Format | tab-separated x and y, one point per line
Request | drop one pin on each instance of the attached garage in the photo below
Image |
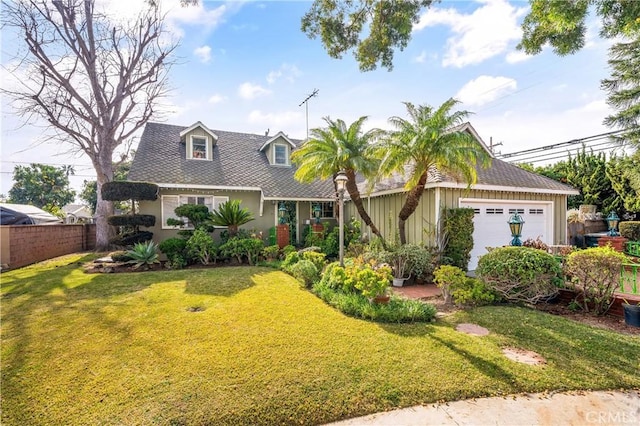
500	191
491	228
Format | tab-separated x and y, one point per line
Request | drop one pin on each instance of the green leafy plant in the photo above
630	230
520	274
595	275
290	260
200	246
370	282
449	278
408	260
197	216
231	215
318	259
176	251
241	248
287	249
305	271
271	252
474	292
143	254
458	236
120	256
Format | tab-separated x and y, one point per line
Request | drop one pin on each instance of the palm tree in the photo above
338	147
231	215
427	140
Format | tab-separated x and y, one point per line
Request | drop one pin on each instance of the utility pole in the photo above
306	107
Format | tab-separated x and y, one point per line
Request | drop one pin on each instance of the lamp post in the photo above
515	225
316	213
281	211
612	222
341	182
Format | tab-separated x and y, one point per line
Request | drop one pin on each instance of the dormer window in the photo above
280	154
199	148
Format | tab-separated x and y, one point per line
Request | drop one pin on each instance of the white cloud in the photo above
196	14
217	98
286	72
203	53
250	91
478	36
517	56
485	89
280	120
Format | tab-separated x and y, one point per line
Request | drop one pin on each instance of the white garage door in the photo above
491	228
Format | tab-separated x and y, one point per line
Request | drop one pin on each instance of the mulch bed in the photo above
608	322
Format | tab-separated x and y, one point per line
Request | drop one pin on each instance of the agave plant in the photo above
231	215
143	254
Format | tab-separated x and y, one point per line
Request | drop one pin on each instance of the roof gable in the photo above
198	124
277	136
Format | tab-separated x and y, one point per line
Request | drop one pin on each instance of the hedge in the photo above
630	230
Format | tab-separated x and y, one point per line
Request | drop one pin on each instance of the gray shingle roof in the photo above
237	162
500	173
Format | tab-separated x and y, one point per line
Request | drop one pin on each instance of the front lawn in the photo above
248	345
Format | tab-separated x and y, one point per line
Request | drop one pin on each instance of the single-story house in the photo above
198	165
500	191
77	213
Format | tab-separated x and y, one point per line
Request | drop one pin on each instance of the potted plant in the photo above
408	260
631	313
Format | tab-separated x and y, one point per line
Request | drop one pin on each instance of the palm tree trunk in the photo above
410	206
352	188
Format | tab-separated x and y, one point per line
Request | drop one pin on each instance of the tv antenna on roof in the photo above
306	107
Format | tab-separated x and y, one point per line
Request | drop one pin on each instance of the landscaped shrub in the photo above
520	274
306	272
473	292
335	276
249	248
271	252
408	260
630	230
448	278
536	244
120	256
458	230
354	304
370	282
143	254
231	215
287	249
200	246
318	259
131	238
176	251
595	274
197	216
290	260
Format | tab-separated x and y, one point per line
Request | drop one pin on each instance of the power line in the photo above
543	155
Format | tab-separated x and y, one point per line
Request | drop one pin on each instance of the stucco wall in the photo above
26	244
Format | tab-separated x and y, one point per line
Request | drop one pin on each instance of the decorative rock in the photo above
523	356
472	329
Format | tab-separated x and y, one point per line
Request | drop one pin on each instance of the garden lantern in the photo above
316	213
515	226
341	182
612	222
281	212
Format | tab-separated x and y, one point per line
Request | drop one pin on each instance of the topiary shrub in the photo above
126	190
132	220
458	230
520	274
595	275
131	238
306	272
630	230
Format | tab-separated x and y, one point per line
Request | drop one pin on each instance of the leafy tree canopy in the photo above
42	186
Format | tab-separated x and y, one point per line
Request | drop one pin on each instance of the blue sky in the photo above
246	66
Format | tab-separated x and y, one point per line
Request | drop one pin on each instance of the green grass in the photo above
125	349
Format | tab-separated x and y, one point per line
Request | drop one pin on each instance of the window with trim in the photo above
280	155
326	209
170	202
199	148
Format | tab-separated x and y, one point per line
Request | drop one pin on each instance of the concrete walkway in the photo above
573	408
